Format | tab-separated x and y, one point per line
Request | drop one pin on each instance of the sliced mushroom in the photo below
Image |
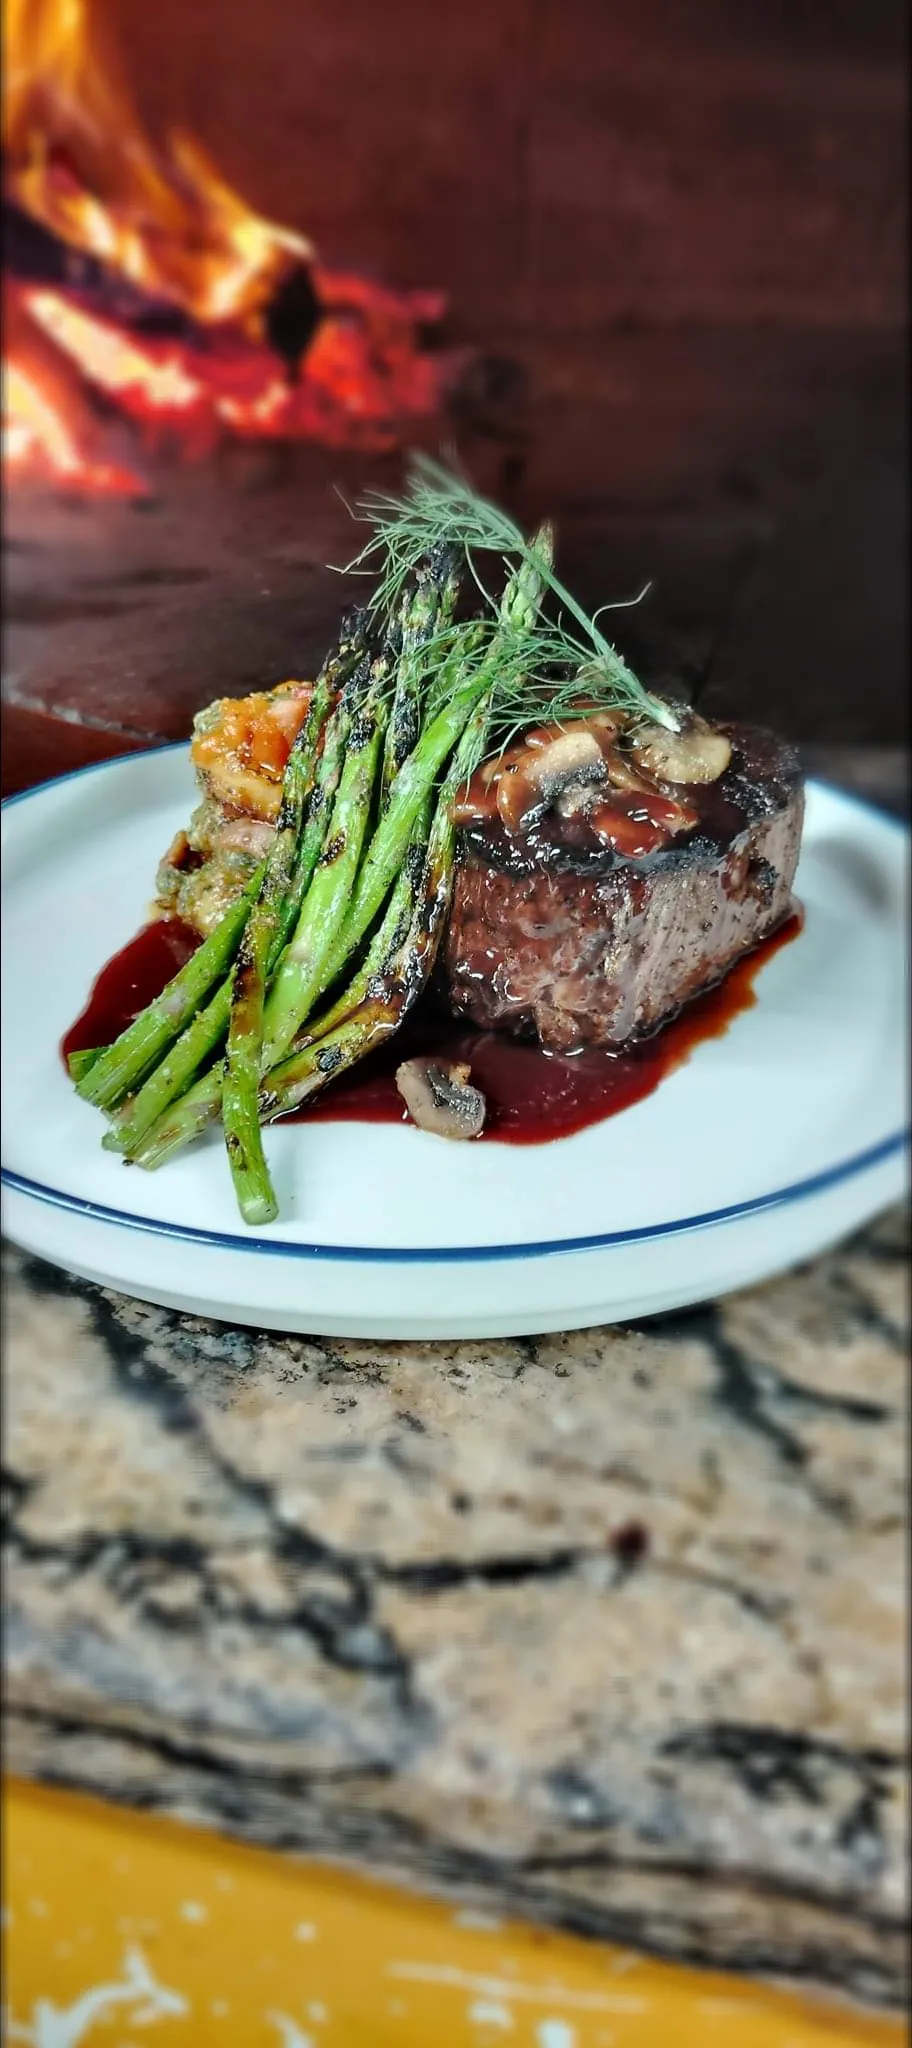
473	804
476	801
577	797
543	771
627	774
440	1098
632	800
635	830
698	753
608	723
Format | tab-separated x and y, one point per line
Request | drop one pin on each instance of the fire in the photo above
110	359
76	160
36	436
83	167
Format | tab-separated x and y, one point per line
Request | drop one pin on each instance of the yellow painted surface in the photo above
124	1932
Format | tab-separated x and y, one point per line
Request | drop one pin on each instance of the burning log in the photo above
168	293
51	423
77	159
33	254
337	359
292	317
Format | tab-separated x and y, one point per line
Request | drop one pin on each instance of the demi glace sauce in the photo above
531	1096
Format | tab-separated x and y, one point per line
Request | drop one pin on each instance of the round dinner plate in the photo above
769	1144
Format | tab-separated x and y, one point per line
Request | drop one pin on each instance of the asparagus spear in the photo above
310	783
393	990
518	609
330	890
187	1118
172	1075
78	1063
206	1032
392	930
240	1113
425	610
122	1064
326	783
296	1079
248	987
180	1120
395	971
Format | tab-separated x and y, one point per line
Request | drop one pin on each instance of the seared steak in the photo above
556	934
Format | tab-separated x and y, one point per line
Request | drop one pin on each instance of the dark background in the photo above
681	228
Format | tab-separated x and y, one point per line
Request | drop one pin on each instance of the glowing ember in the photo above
37	437
77	161
110	359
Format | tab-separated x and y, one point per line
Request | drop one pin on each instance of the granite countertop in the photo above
606	1628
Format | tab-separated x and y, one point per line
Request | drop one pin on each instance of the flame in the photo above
110	359
81	164
36	436
234	384
77	160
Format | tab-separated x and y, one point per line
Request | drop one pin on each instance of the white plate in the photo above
769	1144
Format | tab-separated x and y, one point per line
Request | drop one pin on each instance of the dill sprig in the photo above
438	507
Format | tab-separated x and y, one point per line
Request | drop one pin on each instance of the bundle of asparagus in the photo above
356	884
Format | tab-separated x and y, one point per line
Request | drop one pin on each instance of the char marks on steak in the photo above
554	934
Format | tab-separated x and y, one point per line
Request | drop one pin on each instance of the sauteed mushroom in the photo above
439	1098
542	772
698	753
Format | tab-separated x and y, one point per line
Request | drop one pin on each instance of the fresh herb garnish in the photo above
439	507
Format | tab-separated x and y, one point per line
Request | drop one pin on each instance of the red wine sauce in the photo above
129	982
531	1095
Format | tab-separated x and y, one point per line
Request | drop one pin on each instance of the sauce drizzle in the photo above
129	982
532	1096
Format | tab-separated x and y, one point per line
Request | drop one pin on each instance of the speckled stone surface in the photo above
606	1628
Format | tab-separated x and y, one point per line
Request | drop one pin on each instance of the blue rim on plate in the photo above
815	1184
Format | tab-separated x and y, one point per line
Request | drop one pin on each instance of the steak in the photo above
584	946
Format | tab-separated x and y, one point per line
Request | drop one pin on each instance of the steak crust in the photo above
589	949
